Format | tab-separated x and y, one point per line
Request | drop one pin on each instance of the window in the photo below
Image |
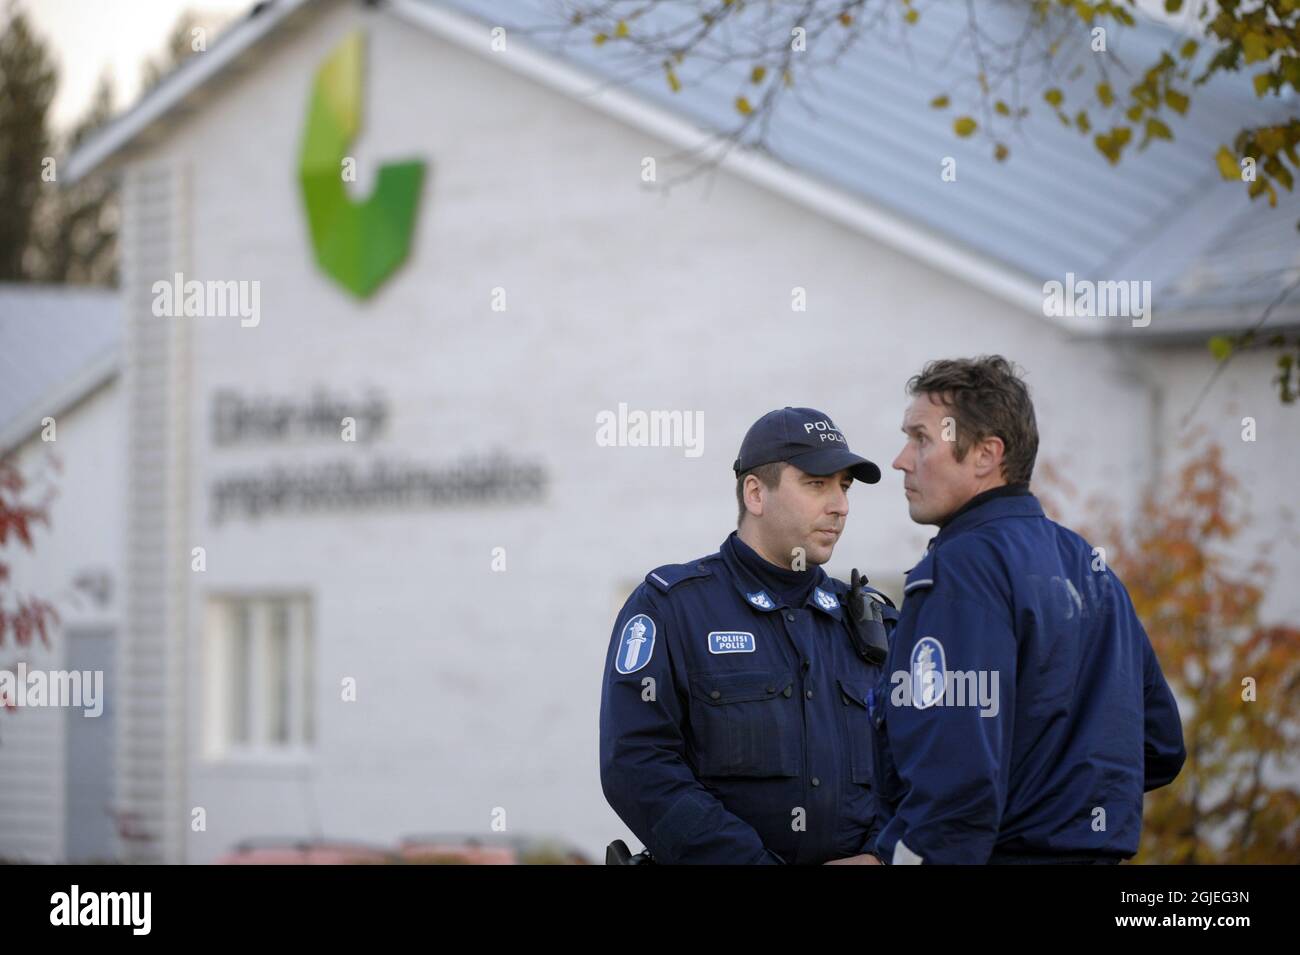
258	676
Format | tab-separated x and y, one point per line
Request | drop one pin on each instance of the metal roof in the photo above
57	343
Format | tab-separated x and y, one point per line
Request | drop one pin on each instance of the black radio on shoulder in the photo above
867	620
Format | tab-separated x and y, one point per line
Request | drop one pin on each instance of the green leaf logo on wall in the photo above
358	244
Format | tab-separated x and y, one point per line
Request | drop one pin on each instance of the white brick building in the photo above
477	689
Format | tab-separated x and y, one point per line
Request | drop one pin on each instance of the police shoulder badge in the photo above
928	673
825	600
635	645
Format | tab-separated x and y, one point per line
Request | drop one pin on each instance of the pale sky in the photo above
88	36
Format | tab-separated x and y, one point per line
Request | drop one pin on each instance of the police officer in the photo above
733	720
1024	712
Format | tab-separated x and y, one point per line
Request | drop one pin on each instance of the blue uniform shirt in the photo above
734	728
1024	712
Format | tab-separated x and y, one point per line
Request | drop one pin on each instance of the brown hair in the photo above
988	399
769	474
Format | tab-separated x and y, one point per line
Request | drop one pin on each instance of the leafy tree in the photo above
27	82
22	618
76	226
54	232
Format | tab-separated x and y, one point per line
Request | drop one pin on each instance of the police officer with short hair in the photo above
1024	713
733	720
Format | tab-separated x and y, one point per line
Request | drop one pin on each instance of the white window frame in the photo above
222	660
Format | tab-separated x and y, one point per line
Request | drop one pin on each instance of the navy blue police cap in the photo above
806	438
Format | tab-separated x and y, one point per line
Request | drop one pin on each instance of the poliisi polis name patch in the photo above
731	641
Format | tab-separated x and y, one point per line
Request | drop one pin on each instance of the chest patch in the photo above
731	641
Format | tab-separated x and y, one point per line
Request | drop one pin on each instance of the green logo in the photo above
358	244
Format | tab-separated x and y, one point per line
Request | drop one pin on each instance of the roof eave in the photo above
60	399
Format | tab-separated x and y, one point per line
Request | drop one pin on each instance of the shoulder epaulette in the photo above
670	575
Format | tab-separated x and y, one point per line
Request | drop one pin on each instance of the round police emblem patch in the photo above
928	673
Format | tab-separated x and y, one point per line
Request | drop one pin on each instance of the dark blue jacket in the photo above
1082	721
734	729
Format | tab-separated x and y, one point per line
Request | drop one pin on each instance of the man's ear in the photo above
753	495
988	456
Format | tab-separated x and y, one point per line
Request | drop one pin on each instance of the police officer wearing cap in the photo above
733	721
1025	712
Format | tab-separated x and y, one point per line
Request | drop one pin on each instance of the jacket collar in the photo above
822	597
1012	500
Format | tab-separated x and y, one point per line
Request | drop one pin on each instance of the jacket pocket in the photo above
745	724
859	726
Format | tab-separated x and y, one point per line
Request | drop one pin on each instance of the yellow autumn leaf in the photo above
1104	94
1158	130
621	30
1255	46
963	125
1270	138
743	107
940	102
1054	96
757	73
1227	162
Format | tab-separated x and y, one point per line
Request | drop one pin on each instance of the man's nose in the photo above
901	462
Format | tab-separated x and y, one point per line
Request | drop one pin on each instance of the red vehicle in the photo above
487	850
412	850
272	851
